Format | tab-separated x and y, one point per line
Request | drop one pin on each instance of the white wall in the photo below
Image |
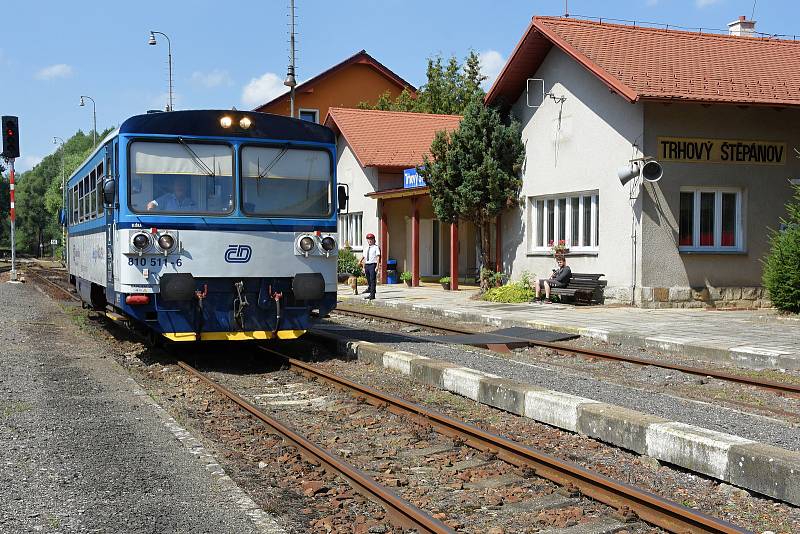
596	135
361	181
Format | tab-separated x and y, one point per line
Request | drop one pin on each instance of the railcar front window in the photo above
286	182
181	177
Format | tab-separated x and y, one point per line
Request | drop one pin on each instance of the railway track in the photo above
629	501
779	387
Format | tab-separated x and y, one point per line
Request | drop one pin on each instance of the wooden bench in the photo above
584	288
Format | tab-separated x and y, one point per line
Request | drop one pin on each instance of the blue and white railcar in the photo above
208	225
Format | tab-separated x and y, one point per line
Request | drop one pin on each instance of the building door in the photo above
429	247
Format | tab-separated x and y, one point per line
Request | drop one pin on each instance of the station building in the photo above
719	112
377	154
359	78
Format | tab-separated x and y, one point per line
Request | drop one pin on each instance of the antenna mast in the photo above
291	81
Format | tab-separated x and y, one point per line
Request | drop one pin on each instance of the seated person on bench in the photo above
559	278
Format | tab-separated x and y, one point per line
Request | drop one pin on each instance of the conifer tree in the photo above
474	172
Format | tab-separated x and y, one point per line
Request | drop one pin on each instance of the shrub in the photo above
782	265
348	263
406	276
514	292
444	280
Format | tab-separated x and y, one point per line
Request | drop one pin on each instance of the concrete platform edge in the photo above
758	467
741	356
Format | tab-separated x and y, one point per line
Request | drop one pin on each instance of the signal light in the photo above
10	136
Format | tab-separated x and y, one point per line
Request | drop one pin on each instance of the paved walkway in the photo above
757	339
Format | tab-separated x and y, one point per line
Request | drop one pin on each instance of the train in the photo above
207	225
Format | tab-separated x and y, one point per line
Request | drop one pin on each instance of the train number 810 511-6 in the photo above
154	262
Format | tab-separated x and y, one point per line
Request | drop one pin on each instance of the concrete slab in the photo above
555	408
616	425
698	449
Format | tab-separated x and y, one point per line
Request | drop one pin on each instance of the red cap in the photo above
370	236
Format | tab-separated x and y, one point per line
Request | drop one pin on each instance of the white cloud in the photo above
212	78
492	63
28	162
60	70
261	90
703	3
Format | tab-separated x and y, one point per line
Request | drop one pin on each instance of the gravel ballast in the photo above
83	450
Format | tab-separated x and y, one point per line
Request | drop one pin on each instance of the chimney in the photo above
742	27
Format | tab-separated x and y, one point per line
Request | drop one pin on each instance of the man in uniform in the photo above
371	261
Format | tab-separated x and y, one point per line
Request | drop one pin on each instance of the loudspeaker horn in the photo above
628	172
652	171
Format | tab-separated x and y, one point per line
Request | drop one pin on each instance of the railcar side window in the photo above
181	177
99	191
286	182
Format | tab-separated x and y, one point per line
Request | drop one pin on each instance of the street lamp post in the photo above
56	139
94	118
152	41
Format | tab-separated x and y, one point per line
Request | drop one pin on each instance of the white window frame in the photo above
573	245
351	226
739	222
309	110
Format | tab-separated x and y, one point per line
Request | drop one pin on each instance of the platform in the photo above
748	338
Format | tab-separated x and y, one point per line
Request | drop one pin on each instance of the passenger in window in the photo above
559	278
178	200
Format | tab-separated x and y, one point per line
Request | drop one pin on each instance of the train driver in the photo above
177	200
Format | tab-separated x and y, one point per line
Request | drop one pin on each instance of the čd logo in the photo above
238	253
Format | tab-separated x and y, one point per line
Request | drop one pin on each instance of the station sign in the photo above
411	179
730	151
54	241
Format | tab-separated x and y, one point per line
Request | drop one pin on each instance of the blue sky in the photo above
235	53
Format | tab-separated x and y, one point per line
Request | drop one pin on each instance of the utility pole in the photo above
291	81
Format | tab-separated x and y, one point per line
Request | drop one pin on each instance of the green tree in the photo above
781	274
474	172
39	192
448	89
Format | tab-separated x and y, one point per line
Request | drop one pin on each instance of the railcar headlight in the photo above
328	243
245	123
141	241
226	122
166	242
306	243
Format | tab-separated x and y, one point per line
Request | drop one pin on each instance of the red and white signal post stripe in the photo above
13	221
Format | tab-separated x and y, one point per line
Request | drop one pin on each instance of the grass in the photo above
12	408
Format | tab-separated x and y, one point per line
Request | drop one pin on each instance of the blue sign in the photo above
238	253
411	178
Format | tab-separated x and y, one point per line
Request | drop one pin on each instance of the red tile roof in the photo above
389	139
658	64
361	57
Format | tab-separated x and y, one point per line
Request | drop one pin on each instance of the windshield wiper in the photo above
272	163
197	161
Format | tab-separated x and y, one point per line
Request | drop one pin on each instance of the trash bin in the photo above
391	272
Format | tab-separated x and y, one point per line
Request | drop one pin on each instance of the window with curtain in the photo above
710	220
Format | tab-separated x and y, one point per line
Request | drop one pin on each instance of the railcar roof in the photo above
207	123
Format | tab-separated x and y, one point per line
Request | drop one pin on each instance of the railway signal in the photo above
10	125
10	137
